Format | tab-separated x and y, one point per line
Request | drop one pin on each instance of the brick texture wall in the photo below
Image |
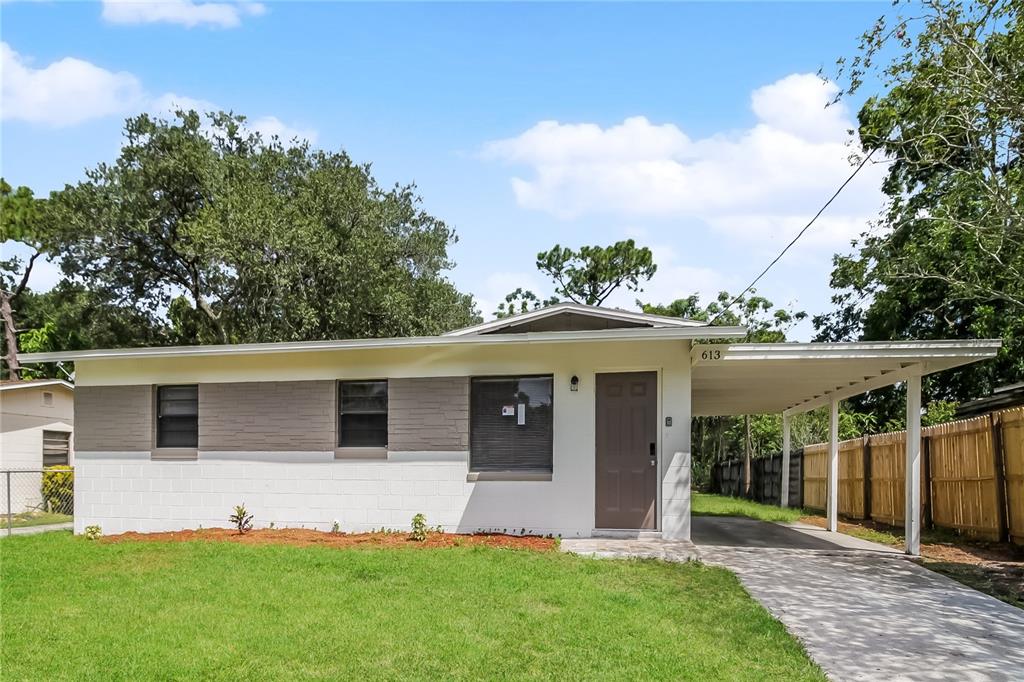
428	414
267	416
114	418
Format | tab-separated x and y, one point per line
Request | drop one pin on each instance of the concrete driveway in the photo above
863	611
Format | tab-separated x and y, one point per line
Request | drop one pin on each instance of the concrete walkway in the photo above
32	530
610	548
864	611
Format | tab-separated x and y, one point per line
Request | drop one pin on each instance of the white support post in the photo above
912	512
832	503
784	490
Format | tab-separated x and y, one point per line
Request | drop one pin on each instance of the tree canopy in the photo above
242	239
946	258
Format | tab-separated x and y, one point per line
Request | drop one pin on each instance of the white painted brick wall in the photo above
127	491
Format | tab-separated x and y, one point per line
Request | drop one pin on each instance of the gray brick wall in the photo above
267	416
113	418
428	414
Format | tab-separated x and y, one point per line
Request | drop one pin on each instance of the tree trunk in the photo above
746	457
13	366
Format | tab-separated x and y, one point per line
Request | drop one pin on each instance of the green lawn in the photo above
26	519
720	505
212	610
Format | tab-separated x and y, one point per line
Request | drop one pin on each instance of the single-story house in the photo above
569	420
36	426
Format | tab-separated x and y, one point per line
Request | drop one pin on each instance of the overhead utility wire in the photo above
782	253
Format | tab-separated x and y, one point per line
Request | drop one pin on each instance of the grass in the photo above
720	505
38	518
207	610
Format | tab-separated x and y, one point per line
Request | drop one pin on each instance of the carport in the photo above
792	378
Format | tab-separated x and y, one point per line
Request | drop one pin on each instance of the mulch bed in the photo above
305	537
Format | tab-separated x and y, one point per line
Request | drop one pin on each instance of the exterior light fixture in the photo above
574	383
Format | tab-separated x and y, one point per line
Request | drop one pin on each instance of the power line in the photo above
782	253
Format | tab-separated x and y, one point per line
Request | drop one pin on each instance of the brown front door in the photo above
627	434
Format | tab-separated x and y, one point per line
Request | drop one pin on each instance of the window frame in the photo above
173	451
510	474
65	437
356	450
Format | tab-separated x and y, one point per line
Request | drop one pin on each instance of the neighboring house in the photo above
1002	398
569	420
36	424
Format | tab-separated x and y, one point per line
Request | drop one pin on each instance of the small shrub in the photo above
336	527
241	519
93	532
419	528
59	489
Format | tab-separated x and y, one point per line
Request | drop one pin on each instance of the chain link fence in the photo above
37	497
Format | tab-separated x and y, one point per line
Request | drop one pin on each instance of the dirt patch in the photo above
993	567
303	537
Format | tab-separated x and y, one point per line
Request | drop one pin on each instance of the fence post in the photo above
926	465
999	466
10	518
867	478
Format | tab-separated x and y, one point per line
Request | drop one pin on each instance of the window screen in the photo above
363	414
511	424
56	448
177	420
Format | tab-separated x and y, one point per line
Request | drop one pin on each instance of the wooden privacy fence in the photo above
765	479
972	476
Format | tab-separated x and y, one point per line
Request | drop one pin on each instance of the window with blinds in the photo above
511	424
177	420
56	448
362	414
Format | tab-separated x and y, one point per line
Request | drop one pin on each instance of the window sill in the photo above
475	476
174	454
360	453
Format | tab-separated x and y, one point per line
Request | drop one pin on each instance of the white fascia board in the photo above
854	350
36	384
632	334
560	308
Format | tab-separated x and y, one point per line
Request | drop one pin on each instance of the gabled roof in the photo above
9	385
614	317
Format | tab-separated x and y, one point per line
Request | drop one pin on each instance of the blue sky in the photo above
697	129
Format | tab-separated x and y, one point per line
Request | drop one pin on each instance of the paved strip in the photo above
32	530
867	613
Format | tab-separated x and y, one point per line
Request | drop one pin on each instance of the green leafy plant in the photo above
59	489
93	532
241	519
336	527
419	528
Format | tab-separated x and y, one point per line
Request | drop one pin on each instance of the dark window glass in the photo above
363	414
511	424
177	417
56	448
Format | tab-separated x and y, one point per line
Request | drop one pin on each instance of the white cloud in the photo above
186	13
65	92
674	279
269	126
498	285
71	91
762	182
266	126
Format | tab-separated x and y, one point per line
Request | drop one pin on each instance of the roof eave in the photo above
631	334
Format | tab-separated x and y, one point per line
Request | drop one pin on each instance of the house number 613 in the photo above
713	354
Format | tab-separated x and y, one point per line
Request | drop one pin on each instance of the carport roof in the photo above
761	378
